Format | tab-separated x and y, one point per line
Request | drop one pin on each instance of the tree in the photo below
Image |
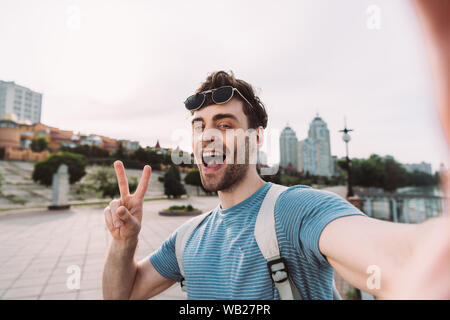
88	151
385	173
148	156
394	174
193	178
172	183
104	181
43	170
39	144
120	152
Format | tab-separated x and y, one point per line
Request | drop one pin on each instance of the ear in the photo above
259	137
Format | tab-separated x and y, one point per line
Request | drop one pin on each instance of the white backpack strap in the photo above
266	238
183	234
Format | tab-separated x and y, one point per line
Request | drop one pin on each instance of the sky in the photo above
123	68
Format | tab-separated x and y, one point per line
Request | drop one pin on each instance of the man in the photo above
317	231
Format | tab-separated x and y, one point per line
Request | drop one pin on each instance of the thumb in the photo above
120	216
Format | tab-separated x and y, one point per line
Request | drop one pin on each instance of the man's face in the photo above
220	140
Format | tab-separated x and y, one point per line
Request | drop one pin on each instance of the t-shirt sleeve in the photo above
164	260
303	212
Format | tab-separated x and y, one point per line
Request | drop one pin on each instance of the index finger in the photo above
121	179
143	183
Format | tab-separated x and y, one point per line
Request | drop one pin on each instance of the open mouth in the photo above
212	161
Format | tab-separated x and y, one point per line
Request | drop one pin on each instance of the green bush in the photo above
181	208
104	181
43	170
39	144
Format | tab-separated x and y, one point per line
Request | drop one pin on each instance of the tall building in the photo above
314	152
307	156
288	148
21	101
320	135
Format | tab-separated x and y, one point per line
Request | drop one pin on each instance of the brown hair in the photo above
256	114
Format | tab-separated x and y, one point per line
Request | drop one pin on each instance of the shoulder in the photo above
298	202
305	196
185	230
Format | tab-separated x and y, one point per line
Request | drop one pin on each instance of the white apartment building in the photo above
21	101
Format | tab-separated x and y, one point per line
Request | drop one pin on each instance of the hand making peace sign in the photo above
123	216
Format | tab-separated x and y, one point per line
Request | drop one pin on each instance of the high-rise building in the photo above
288	148
319	133
21	101
307	156
314	152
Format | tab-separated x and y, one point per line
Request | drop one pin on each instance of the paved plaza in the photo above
38	248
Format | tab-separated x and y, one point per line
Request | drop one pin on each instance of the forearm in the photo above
427	275
120	270
368	253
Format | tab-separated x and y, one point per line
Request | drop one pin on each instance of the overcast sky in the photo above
123	68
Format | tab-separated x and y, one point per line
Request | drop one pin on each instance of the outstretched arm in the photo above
413	260
386	259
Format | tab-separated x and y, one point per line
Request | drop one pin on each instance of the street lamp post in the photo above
346	137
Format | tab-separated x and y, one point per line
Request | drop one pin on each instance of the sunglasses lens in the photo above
195	101
222	95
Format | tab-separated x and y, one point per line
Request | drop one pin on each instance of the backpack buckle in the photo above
183	284
278	269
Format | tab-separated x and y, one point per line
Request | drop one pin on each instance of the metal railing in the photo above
405	208
401	208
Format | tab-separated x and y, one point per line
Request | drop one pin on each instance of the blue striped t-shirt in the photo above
222	259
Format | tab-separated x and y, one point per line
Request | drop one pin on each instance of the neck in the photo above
249	185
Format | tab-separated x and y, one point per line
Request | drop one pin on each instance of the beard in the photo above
229	178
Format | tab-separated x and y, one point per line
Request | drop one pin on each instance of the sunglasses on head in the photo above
219	96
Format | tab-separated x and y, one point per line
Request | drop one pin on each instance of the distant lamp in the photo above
346	137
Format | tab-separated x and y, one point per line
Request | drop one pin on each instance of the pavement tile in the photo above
57	288
89	284
59	296
45	245
4	284
14	293
55	279
95	294
28	282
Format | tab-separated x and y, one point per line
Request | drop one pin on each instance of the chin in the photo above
211	183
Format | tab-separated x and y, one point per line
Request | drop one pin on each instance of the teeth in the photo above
211	154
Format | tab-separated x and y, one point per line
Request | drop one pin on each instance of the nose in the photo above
211	138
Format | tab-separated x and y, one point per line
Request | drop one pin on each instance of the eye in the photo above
225	126
197	127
